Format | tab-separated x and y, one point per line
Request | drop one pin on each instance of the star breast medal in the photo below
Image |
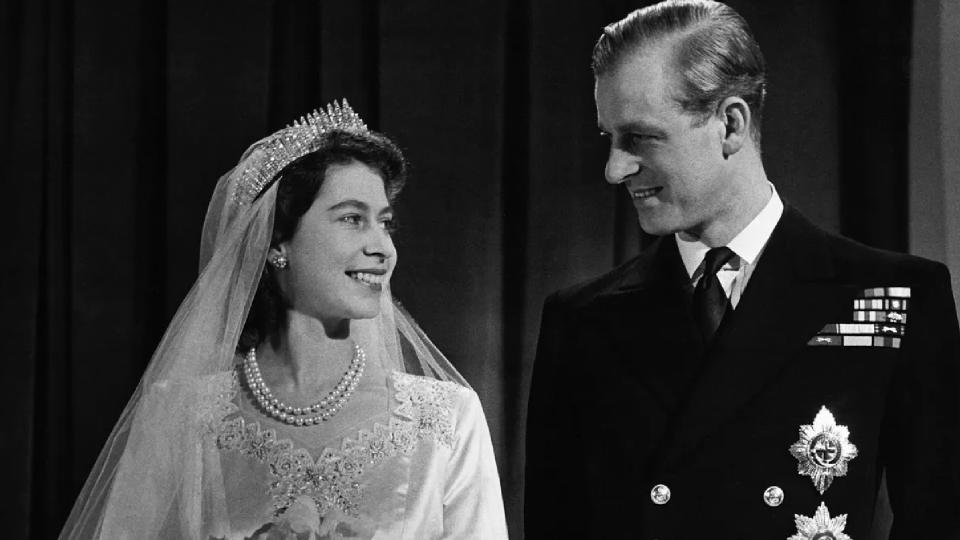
821	526
823	450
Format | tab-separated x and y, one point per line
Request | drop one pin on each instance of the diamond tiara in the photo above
292	142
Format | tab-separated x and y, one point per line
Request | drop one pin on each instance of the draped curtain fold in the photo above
117	119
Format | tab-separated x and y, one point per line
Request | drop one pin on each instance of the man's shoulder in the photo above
852	261
855	261
631	271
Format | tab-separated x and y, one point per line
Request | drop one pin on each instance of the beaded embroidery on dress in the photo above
333	480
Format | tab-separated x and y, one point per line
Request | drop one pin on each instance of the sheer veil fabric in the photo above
150	476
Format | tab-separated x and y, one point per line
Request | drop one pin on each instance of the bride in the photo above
290	397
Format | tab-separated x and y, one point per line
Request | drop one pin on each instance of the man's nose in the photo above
620	165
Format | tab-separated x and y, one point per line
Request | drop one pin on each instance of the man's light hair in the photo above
713	51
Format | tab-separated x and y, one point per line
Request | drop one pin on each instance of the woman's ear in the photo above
277	257
736	121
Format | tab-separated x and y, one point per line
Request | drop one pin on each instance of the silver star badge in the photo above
821	526
823	450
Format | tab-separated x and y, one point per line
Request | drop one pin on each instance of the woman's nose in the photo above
379	244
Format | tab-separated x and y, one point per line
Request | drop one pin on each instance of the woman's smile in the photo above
372	279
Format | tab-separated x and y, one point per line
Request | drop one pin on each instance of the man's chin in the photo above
655	227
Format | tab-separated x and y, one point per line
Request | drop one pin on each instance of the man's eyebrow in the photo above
638	126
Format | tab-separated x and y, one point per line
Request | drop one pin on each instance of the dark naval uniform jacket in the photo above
636	429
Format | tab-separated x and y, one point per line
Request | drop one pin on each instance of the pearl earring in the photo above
279	262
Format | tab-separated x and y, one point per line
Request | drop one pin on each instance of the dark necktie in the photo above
710	303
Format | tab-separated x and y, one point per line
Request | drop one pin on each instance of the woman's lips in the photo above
644	193
369	279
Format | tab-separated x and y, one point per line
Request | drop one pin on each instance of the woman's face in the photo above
341	255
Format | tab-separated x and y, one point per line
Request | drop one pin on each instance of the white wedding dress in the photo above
409	457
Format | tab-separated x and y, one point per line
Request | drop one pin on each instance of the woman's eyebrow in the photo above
359	205
350	203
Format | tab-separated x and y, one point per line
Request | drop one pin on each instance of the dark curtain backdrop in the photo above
117	119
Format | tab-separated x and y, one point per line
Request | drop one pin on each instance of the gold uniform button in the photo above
773	496
660	494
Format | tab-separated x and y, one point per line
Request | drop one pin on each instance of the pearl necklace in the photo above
320	411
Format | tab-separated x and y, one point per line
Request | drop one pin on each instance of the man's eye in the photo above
635	140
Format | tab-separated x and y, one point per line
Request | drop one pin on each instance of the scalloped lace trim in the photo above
424	411
216	399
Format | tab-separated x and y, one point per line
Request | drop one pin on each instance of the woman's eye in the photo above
352	219
389	225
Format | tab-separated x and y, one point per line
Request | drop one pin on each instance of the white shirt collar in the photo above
747	244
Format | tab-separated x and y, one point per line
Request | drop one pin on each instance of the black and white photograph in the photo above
411	270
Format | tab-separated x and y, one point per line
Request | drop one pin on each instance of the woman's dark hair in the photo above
299	184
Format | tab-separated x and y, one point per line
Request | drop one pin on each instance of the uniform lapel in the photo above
787	300
643	323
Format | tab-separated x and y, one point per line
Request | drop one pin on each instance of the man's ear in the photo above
736	121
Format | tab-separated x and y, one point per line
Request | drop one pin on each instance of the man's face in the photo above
672	166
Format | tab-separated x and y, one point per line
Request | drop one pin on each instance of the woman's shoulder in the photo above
434	406
208	399
216	383
420	390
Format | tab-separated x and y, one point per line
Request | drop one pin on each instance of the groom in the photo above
748	375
